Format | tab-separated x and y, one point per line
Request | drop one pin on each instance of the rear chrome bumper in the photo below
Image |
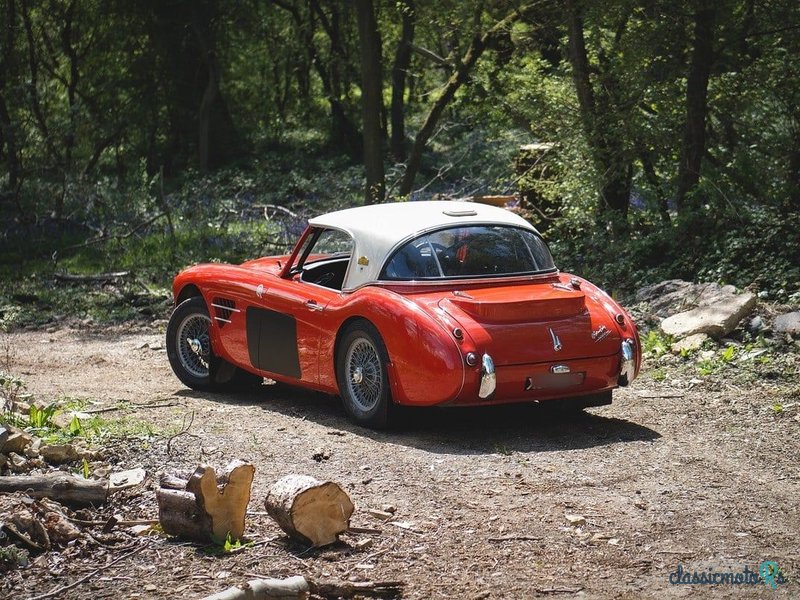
488	378
627	364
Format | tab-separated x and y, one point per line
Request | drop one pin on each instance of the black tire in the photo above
191	356
361	373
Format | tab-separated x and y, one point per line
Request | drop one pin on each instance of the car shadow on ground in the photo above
478	430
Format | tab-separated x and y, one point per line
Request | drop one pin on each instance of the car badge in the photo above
600	334
559	369
363	261
260	290
556	341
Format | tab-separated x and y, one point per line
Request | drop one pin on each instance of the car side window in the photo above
325	262
333	242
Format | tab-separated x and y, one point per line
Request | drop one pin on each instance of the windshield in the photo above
474	251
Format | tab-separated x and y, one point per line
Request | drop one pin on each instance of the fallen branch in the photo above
276	208
71	278
61	487
364	530
184	431
94	411
514	538
299	588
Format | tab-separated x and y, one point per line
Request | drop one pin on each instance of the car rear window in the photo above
473	251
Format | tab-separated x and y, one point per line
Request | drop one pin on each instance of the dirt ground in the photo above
693	472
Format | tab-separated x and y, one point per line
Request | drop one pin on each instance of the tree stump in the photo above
310	511
210	507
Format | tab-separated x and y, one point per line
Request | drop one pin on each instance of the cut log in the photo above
291	588
299	588
62	487
210	507
310	511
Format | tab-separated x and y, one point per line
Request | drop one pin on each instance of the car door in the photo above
287	321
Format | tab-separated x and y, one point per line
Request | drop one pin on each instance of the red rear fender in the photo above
426	361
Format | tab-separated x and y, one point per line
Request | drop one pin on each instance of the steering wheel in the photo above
324	279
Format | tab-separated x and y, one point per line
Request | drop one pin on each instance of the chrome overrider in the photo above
627	364
488	378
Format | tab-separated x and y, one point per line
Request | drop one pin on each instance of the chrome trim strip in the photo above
223	307
223	320
488	378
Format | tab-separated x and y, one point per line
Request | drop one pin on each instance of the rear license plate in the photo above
554	381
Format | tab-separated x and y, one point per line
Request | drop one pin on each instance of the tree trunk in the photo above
614	168
694	134
457	79
8	136
310	511
211	507
371	101
402	61
218	140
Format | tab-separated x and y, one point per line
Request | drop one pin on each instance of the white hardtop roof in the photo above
378	229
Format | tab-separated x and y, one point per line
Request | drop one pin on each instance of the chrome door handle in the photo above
312	304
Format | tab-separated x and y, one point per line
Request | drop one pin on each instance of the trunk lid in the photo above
534	322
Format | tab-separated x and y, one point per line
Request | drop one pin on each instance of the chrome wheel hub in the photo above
196	346
358	375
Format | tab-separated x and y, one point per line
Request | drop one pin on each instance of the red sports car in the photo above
413	303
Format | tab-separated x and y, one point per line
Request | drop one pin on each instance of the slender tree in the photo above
599	110
402	62
371	101
458	78
694	133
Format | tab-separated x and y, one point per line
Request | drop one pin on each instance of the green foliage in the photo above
656	344
227	546
12	386
152	136
12	557
42	418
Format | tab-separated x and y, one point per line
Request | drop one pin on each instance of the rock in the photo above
57	454
690	343
140	529
575	520
3	461
31	451
17	462
788	323
3	436
675	295
17	442
125	479
756	324
717	319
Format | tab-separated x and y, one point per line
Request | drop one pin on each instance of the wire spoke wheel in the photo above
194	344
364	373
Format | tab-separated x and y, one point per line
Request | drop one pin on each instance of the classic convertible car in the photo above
414	303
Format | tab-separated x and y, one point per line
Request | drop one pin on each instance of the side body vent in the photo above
223	310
